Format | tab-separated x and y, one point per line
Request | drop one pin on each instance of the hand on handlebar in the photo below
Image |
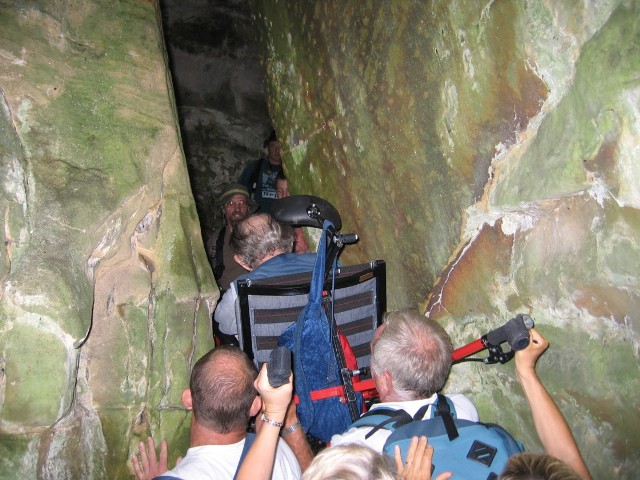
526	359
274	400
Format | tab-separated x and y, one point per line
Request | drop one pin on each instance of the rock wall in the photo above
489	152
106	293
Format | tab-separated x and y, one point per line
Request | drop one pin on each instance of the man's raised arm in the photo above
552	428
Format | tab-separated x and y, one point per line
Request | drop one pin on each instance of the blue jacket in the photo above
283	264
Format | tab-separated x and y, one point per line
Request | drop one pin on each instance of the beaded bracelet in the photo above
266	419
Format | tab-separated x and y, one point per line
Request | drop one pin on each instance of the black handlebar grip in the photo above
515	332
349	238
279	366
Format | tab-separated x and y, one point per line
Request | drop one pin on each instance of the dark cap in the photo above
232	189
271	138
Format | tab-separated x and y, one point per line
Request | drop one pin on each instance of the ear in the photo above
384	384
256	406
187	401
240	262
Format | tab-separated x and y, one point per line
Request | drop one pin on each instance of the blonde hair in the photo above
349	462
533	466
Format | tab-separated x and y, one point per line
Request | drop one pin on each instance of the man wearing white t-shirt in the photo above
222	398
411	357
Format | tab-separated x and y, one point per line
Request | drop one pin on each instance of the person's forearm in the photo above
297	441
552	428
258	464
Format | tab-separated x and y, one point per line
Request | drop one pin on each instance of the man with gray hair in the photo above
411	357
263	246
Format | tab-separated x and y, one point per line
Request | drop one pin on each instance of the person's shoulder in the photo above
249	169
213	239
358	435
290	260
465	409
254	163
300	258
209	462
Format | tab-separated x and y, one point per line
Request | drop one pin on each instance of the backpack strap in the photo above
397	419
248	441
219	268
421	412
380	418
444	410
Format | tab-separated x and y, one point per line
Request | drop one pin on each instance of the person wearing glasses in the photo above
236	205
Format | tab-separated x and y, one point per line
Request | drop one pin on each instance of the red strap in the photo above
367	387
349	356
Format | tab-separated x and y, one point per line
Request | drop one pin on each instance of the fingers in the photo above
144	459
274	400
538	340
164	456
147	465
137	468
291	416
152	459
262	381
418	460
398	459
444	476
412	450
422	459
526	359
141	465
423	453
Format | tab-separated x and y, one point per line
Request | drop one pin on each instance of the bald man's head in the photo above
222	389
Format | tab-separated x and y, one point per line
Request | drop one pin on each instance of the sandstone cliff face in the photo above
489	152
106	292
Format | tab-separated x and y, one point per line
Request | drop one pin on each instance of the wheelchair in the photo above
354	297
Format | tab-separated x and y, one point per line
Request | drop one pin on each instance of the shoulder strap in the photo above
380	418
443	410
253	180
248	441
219	268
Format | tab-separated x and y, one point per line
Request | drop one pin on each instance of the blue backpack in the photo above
315	366
471	450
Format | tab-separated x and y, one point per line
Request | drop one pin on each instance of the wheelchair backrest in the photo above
266	307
